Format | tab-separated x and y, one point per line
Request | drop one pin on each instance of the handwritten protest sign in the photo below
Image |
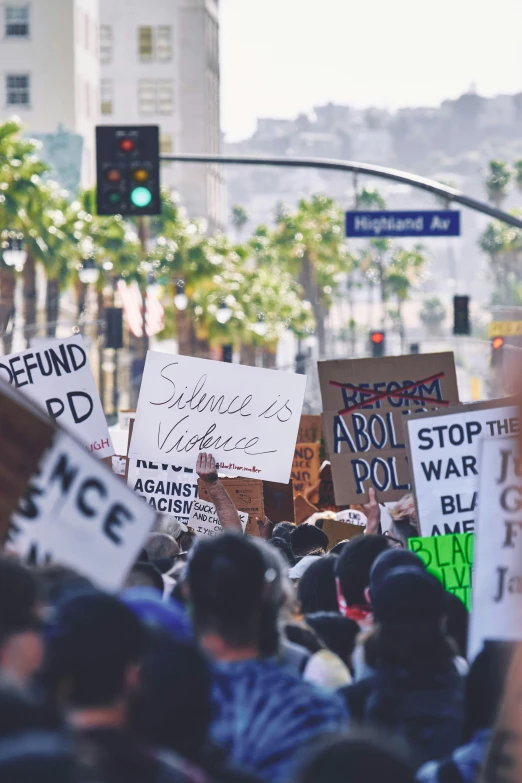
352	517
450	560
59	379
310	429
306	466
497	581
74	510
167	488
204	520
246	495
365	402
444	451
246	417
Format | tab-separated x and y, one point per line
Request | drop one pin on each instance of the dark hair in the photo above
414	647
354	564
283	530
18	599
57	583
145	575
172	706
359	756
338	633
235	591
186	541
304	637
308	540
457	622
90	646
316	590
282	545
160	545
338	548
390	559
485	685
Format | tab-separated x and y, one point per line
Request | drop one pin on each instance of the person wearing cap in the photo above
415	689
263	712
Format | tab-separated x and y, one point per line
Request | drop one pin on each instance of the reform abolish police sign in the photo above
442	223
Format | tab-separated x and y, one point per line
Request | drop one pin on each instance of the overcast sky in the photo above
282	57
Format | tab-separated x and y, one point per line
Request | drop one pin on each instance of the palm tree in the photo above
240	218
518	173
433	314
402	274
497	181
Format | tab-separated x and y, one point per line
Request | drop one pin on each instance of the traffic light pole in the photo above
443	191
143	237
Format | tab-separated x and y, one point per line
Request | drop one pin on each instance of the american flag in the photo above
132	302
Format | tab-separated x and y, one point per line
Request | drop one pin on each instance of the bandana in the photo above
360	613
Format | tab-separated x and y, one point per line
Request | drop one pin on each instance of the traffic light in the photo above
497	351
113	327
128	170
378	341
461	324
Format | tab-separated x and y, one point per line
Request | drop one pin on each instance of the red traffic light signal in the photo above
127	145
377	338
497	343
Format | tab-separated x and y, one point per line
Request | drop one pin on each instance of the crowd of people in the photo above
236	658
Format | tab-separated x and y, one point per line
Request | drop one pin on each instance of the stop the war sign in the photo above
59	379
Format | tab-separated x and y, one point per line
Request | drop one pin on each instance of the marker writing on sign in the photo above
25	369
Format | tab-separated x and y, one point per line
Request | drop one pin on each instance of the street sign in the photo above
505	329
376	224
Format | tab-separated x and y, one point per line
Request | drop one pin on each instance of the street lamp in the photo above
88	271
14	254
260	327
224	313
180	300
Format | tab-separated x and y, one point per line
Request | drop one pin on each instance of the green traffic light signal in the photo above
141	197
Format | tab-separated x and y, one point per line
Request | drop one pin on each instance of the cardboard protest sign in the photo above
365	402
204	520
245	416
310	429
306	466
167	488
59	380
340	531
303	509
279	501
444	451
450	560
497	579
246	495
74	510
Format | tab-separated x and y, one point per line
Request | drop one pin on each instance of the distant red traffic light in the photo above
377	337
497	343
127	145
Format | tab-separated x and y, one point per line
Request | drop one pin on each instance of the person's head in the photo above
56	583
390	559
338	633
353	567
284	549
172	706
169	617
160	546
404	520
145	575
408	607
359	757
316	589
186	541
21	648
235	590
485	685
94	648
308	540
283	530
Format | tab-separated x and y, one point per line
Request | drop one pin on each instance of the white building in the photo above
49	68
160	66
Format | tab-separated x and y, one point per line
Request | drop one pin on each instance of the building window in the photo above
165	96
164	43
166	148
17	21
106	45
145	44
106	96
146	96
18	91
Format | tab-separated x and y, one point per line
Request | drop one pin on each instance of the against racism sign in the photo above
167	488
59	379
450	560
444	453
497	582
246	417
365	403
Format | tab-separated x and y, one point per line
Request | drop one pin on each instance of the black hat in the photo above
392	558
408	595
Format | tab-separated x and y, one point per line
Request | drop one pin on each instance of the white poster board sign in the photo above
76	512
59	379
167	488
204	520
497	578
444	456
352	517
246	417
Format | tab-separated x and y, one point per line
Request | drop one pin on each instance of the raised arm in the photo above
226	511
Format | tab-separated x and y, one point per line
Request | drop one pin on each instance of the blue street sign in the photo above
376	224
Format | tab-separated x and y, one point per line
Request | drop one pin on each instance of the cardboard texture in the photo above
340	531
322	495
443	452
365	402
306	466
246	495
310	429
303	509
450	560
279	502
